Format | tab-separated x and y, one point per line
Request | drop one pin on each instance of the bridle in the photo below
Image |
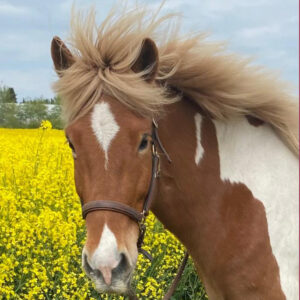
132	213
140	217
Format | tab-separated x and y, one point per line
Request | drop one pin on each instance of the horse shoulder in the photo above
257	157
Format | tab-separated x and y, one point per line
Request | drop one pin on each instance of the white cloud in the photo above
29	83
257	32
221	6
20	47
168	5
9	9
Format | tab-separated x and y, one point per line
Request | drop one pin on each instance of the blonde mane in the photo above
223	84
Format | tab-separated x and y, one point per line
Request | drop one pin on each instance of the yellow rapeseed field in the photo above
42	232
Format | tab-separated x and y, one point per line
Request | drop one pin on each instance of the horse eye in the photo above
71	146
144	143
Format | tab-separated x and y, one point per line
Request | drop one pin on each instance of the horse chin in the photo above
118	286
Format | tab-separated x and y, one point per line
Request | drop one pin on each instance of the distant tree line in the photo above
30	112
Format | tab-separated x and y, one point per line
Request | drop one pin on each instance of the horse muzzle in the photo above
113	276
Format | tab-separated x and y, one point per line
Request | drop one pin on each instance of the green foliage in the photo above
55	100
30	113
34	113
8	115
54	116
7	95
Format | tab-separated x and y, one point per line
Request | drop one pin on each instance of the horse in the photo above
226	135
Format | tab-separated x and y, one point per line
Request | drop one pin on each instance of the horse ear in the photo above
61	55
148	59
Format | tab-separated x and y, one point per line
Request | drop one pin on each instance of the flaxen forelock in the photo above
223	84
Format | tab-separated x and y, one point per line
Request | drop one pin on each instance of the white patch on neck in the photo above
199	149
106	253
256	157
104	126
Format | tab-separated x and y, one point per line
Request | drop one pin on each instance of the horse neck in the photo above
201	209
181	204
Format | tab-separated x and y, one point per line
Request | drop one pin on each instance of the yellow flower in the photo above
45	124
42	232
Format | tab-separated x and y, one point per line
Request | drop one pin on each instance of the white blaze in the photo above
106	255
199	148
256	157
104	126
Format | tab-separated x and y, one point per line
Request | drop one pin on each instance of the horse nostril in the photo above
87	266
123	265
109	273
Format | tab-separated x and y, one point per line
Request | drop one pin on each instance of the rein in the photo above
140	217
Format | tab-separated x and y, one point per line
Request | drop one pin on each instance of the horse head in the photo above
112	153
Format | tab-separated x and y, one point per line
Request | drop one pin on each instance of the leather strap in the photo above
156	138
112	206
176	280
152	186
132	295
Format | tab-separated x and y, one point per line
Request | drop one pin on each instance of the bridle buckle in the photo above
156	157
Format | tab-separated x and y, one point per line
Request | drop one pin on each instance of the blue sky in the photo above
264	29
